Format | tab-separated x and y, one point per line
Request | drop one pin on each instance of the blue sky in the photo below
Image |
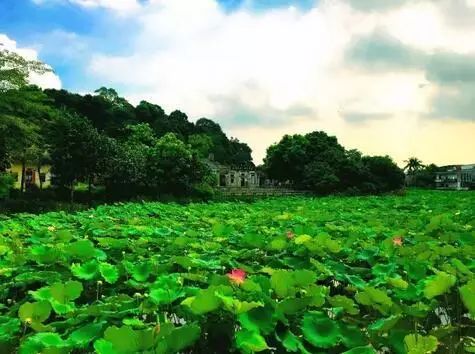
27	21
386	77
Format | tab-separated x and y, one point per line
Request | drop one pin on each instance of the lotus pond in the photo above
390	274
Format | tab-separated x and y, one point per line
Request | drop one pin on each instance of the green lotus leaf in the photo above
205	301
134	322
376	298
384	324
140	271
86	271
34	312
183	337
123	339
356	281
352	336
41	294
44	254
67	292
50	339
9	327
103	346
418	344
438	284
109	272
299	240
166	289
320	331
236	306
222	230
461	267
285	282
467	293
278	244
304	277
361	350
419	310
442	331
292	343
344	302
82	249
398	283
293	305
250	341
260	319
282	283
83	336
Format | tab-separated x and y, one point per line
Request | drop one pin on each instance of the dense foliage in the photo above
317	162
88	139
329	275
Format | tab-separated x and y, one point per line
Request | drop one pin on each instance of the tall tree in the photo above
76	150
15	69
413	164
318	162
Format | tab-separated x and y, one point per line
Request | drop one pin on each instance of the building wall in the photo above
239	179
456	177
31	173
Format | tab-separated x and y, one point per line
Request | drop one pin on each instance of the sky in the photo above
393	77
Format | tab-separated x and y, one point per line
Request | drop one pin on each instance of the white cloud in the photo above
285	70
47	80
118	5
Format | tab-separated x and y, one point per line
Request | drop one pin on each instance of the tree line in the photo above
317	162
103	140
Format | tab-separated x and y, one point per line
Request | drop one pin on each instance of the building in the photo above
32	177
237	177
458	177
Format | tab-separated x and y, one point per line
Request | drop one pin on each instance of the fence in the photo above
229	192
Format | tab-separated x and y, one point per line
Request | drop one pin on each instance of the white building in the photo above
457	177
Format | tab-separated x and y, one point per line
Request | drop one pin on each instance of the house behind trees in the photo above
457	177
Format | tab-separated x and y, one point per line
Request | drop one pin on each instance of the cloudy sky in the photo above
390	77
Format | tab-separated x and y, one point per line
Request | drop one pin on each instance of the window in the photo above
43	177
232	178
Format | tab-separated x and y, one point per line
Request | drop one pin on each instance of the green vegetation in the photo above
126	151
317	162
327	275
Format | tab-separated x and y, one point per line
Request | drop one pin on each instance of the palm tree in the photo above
413	164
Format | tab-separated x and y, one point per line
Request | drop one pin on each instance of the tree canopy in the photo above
317	162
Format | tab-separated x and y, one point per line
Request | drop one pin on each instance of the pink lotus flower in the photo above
397	241
237	276
290	235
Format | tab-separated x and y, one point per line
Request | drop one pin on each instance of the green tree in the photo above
201	144
15	69
126	172
171	166
316	161
413	164
77	151
385	175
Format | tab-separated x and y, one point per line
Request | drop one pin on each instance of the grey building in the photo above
458	177
237	177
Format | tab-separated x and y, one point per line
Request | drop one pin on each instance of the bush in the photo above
6	184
